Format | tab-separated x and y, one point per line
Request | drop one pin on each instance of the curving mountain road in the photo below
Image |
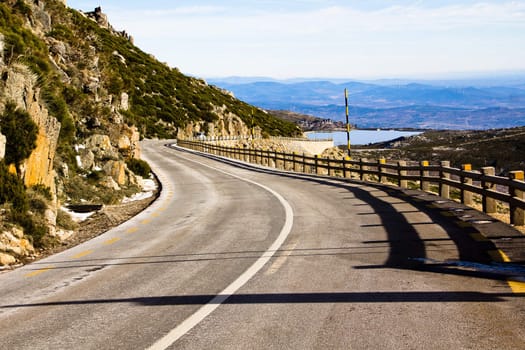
235	257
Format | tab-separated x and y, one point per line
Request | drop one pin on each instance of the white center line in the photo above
220	298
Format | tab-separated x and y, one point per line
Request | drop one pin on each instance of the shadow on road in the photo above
406	248
292	298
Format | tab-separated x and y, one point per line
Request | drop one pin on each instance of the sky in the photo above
366	39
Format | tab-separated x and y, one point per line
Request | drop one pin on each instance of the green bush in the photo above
65	221
42	190
139	167
20	131
12	189
13	192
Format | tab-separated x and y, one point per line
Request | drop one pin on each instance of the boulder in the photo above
108	182
124	101
117	170
6	259
13	243
87	159
127	140
101	147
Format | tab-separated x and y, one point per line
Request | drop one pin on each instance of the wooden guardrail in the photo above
442	179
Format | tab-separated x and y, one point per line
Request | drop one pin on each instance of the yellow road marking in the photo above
517	286
155	215
111	241
80	255
132	230
145	221
38	272
498	256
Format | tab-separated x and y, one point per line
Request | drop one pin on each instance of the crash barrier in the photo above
448	182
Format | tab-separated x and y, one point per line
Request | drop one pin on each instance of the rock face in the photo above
13	246
2	146
20	88
228	124
1	49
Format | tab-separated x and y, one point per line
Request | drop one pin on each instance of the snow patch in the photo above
77	217
148	188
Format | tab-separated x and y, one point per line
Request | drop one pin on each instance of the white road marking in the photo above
220	298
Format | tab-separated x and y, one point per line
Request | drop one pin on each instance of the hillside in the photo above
76	96
503	149
308	122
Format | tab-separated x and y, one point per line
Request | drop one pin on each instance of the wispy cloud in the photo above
303	34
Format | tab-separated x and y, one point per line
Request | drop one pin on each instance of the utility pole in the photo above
347	125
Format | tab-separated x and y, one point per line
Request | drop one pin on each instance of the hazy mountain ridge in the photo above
411	104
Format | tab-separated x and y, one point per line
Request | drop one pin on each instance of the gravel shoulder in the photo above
105	219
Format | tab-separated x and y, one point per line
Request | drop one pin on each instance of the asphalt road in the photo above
232	257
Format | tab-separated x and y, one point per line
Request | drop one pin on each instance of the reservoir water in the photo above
361	137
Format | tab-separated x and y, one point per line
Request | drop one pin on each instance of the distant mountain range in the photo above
473	104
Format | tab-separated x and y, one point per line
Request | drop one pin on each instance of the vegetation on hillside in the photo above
26	207
503	149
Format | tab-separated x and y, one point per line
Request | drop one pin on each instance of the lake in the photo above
361	137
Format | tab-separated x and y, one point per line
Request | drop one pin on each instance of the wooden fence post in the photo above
316	164
362	169
382	178
424	185
444	189
402	172
489	204
345	158
466	196
517	215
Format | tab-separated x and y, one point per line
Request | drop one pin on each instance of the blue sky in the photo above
326	38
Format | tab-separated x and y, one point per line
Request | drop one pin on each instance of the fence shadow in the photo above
406	248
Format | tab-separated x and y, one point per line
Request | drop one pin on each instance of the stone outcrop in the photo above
102	152
228	124
101	147
14	246
20	88
101	18
2	146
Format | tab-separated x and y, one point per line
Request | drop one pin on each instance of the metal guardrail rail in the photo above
441	178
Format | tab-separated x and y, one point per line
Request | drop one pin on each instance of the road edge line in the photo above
193	320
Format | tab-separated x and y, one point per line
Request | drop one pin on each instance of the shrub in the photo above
12	189
139	167
20	131
65	221
42	190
